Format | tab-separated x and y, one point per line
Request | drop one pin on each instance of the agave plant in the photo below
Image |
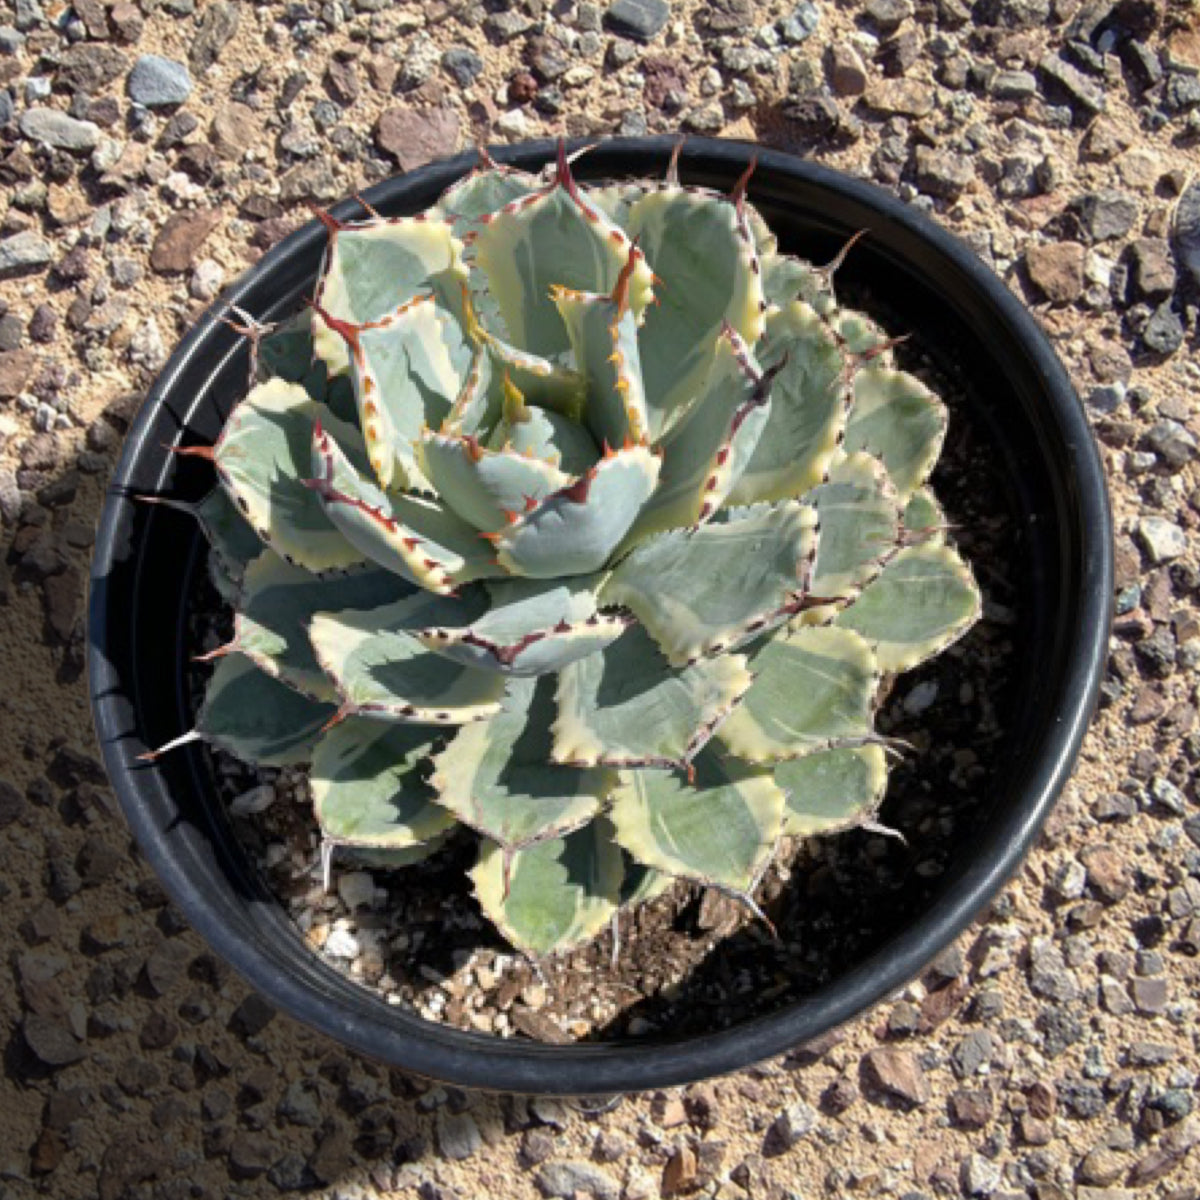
585	519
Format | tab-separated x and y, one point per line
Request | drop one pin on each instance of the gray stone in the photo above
462	64
52	1043
457	1134
1106	398
218	23
158	82
640	19
793	1124
942	173
301	1104
1013	85
801	24
1106	214
1082	91
979	1176
1172	442
562	1180
1164	331
1186	228
24	252
6	107
889	15
54	128
898	1073
972	1053
1153	268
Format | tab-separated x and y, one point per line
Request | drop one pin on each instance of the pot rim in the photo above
402	1038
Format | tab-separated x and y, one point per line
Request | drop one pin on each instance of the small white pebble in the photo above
256	800
341	944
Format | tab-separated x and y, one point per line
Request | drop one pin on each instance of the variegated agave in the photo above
583	518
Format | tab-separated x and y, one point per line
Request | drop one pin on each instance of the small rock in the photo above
902	97
234	130
23	252
679	1174
332	1156
255	800
180	239
1160	539
158	82
1106	214
801	24
1149	995
898	1073
1164	331
252	1016
1153	267
356	888
970	1108
53	128
790	1127
888	15
218	23
1013	85
639	19
463	65
1186	228
52	1043
16	368
979	1176
1080	90
457	1134
414	137
341	943
1056	269
563	1180
847	74
250	1154
942	173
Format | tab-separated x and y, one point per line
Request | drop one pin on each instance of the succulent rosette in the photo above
583	518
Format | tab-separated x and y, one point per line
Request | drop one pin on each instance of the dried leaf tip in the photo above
672	176
371	211
346	329
738	195
836	261
562	172
208	453
620	292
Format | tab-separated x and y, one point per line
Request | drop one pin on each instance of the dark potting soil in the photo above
690	961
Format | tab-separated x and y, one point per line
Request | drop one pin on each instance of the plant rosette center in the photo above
588	520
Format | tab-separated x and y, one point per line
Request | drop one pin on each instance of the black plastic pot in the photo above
146	559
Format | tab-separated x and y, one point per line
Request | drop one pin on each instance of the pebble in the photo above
218	23
898	1073
566	1178
639	19
847	74
790	1127
1160	539
179	240
51	1042
341	943
800	24
356	888
159	82
980	1176
51	127
1106	214
463	65
458	1135
1164	332
256	800
1056	269
413	137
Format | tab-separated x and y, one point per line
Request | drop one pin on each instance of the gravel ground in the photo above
149	151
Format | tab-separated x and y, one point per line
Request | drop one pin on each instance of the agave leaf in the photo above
923	516
715	588
230	536
812	687
554	894
271	623
259	719
263	456
720	829
808	408
897	418
380	669
553	237
831	790
488	188
641	883
707	448
476	408
708	271
575	530
786	279
287	352
404	381
414	537
541	382
373	267
860	524
604	342
496	776
531	627
372	859
369	787
484	486
860	335
920	602
627	707
542	433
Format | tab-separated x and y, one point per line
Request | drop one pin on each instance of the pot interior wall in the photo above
147	556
